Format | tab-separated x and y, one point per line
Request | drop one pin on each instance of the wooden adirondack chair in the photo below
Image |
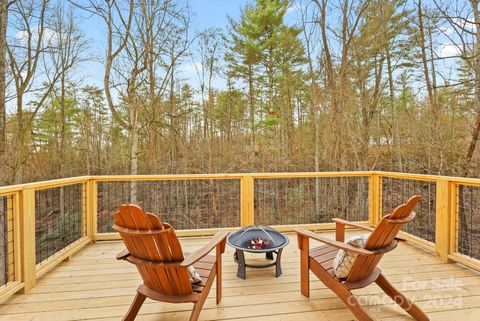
364	271
155	250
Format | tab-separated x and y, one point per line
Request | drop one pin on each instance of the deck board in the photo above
93	285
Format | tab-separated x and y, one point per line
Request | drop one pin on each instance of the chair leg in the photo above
352	303
197	307
304	266
219	276
410	307
134	307
342	292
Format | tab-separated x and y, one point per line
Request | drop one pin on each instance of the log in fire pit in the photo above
257	239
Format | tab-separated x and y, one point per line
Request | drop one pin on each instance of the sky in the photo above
213	13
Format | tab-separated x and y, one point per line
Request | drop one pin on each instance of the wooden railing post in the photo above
375	198
443	218
10	238
27	239
246	200
17	250
91	208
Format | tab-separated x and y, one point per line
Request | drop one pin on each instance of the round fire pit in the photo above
257	239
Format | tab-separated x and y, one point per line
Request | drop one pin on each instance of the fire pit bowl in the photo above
257	239
242	239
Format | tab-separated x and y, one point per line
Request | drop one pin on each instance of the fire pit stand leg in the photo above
269	255
278	267
240	259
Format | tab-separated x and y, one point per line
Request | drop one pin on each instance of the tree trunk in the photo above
153	150
476	55
252	116
133	162
421	42
394	119
173	123
20	141
3	67
62	127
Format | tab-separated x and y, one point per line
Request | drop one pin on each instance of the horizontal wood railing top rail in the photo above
71	180
425	177
45	184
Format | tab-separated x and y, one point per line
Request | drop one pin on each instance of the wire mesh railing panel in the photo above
59	219
185	204
396	191
468	221
7	257
283	201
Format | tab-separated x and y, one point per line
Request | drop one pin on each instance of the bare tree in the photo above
338	88
165	35
310	35
31	75
3	69
145	39
67	53
206	64
464	22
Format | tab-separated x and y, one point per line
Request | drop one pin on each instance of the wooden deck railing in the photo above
44	223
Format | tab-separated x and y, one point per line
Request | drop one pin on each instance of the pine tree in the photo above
267	54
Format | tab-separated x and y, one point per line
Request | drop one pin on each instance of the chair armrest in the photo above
387	248
339	245
352	224
363	227
217	240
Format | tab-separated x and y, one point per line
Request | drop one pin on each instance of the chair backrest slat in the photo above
160	247
383	235
176	252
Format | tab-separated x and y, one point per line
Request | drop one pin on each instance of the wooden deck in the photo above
94	286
